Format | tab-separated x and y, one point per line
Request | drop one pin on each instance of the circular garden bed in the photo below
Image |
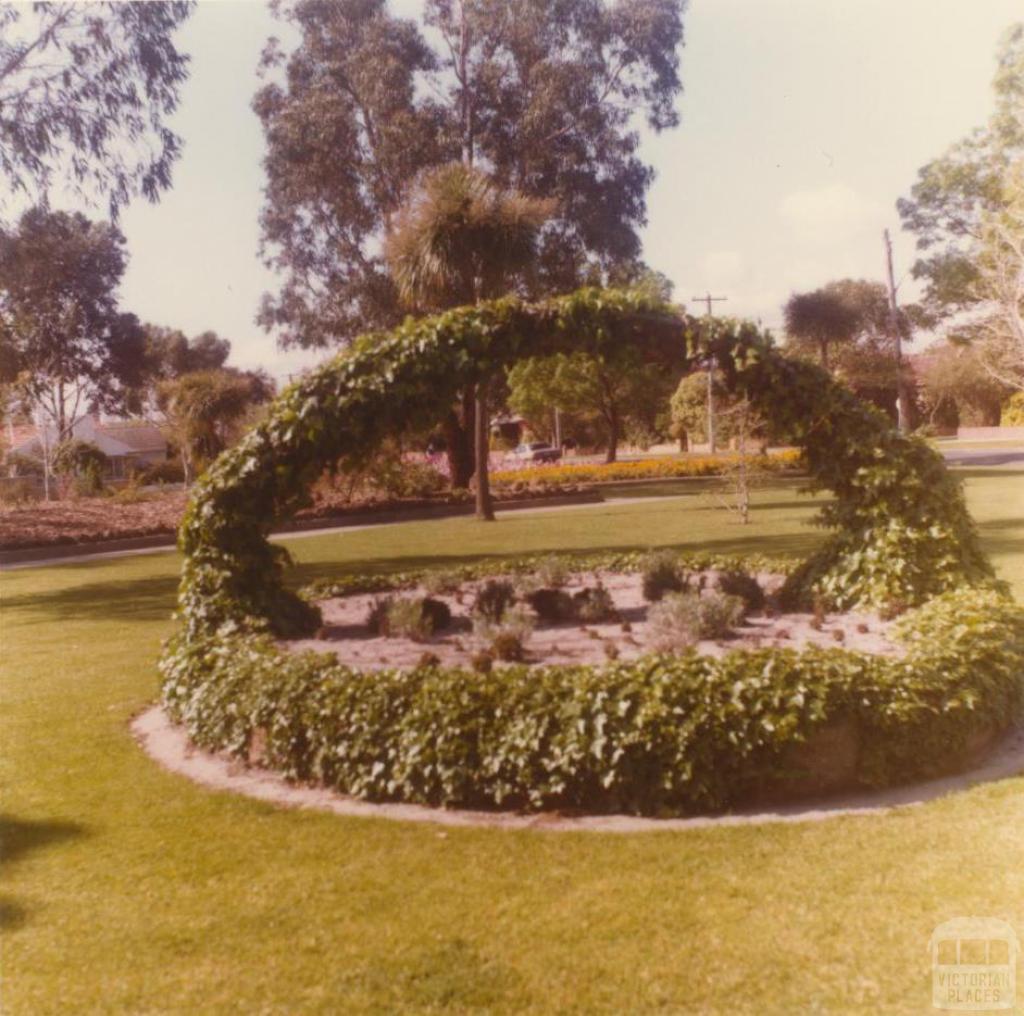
702	703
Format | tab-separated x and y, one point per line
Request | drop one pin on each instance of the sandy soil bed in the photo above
345	631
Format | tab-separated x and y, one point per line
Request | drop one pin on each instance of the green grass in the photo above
130	890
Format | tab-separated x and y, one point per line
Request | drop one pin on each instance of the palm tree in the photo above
820	319
461	239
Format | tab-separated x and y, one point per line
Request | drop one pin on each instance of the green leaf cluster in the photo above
665	734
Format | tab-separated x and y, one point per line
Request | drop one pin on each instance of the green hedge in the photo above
660	735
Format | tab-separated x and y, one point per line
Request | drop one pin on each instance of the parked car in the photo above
537	451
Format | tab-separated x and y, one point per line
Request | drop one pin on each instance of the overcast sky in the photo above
802	122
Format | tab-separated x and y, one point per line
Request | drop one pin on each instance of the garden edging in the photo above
168	745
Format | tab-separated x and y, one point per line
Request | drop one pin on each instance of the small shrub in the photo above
415	619
611	651
594	605
718	614
662	574
407	618
838	635
377	615
553	572
516	625
626	626
552	605
168	471
743	585
681	619
482	662
429	659
508	646
437	612
494	599
23	465
674	622
863	628
20	491
437	583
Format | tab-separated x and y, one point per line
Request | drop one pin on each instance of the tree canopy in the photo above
205	408
85	93
956	192
460	238
66	347
545	95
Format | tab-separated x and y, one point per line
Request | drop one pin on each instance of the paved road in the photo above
983	456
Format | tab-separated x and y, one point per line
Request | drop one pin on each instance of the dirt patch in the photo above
345	632
169	746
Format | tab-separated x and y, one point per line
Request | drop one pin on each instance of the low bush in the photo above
593	605
658	735
437	612
623	562
415	618
407	618
552	605
168	471
745	586
553	572
674	622
493	598
377	615
516	624
439	582
680	620
662	574
1013	411
508	646
718	613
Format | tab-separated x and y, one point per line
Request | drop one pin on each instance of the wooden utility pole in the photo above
902	395
708	299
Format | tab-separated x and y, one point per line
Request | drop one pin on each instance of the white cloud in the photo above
829	216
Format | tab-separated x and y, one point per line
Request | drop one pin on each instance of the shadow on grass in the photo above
141	599
19	838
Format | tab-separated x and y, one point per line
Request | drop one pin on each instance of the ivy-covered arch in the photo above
661	734
902	530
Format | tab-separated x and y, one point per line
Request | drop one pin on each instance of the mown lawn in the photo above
128	890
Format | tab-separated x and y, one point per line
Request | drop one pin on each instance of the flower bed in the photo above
645	469
662	734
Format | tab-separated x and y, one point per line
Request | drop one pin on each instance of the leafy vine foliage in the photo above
902	530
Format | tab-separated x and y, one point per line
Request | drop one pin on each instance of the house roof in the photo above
120	437
138	435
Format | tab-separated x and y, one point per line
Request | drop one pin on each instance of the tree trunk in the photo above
459	430
484	503
612	419
823	350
